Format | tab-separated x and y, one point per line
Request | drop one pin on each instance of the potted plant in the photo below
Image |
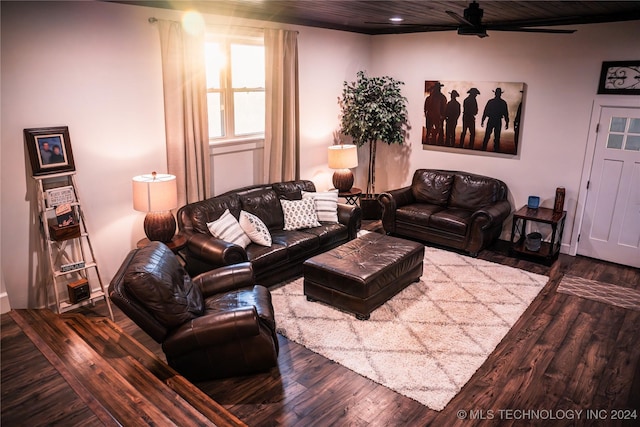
373	109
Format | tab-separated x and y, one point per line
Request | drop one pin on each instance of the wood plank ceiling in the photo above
372	17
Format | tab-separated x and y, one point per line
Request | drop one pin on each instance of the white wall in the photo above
95	67
561	74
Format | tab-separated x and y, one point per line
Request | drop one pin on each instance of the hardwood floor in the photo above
565	354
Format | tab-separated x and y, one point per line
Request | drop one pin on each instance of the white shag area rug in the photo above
428	340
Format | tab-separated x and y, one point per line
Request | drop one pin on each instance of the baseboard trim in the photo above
5	306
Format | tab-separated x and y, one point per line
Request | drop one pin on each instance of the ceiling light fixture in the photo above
396	19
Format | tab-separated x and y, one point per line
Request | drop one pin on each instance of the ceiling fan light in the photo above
396	19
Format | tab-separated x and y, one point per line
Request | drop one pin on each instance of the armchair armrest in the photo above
214	251
494	214
351	216
225	279
211	329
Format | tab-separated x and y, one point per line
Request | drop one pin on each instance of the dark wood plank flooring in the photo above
564	354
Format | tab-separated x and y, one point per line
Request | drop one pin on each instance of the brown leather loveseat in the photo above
289	249
216	325
456	209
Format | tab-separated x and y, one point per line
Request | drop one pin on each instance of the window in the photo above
235	87
623	129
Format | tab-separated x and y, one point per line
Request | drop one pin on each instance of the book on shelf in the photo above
64	215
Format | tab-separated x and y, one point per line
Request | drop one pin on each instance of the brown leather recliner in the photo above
460	210
218	324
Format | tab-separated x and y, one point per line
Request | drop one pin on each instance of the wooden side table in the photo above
352	196
548	250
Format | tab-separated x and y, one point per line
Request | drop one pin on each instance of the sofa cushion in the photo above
299	214
473	191
433	187
206	211
330	234
326	204
298	242
417	213
227	228
451	220
292	190
255	228
156	280
263	258
264	204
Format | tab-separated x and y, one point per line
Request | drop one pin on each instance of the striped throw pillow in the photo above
326	204
227	228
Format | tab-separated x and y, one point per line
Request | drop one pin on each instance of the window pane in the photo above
615	141
634	126
216	61
633	143
216	115
249	112
618	124
247	65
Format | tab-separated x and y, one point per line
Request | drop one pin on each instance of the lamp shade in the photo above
343	156
155	192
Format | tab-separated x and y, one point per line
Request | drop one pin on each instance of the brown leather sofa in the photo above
289	250
456	209
215	325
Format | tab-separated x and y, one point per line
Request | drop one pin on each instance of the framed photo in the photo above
49	150
620	78
473	115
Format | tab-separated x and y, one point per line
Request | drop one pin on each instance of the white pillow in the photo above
255	229
227	228
299	214
326	204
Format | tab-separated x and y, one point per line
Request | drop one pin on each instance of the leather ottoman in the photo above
359	276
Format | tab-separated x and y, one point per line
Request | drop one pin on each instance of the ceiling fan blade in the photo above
458	18
407	24
531	30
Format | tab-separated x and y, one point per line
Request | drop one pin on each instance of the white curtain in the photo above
281	145
185	109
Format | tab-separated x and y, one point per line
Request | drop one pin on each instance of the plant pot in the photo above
371	207
533	242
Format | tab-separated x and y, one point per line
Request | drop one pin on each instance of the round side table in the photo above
352	196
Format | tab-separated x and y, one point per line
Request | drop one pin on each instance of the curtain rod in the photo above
153	20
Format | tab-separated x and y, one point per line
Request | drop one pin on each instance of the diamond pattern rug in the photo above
599	291
428	340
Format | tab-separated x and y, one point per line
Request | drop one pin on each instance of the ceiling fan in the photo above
470	24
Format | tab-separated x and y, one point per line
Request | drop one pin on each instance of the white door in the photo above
611	224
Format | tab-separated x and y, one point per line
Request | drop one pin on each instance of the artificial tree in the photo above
373	109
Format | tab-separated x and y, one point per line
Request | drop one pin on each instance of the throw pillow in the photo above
299	214
255	229
326	204
227	228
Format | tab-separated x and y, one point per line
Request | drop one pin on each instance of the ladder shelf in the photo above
71	257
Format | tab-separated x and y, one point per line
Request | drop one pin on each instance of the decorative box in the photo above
64	233
78	290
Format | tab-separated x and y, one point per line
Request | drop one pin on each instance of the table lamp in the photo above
341	158
156	194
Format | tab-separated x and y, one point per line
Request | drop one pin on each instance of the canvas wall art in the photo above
484	116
